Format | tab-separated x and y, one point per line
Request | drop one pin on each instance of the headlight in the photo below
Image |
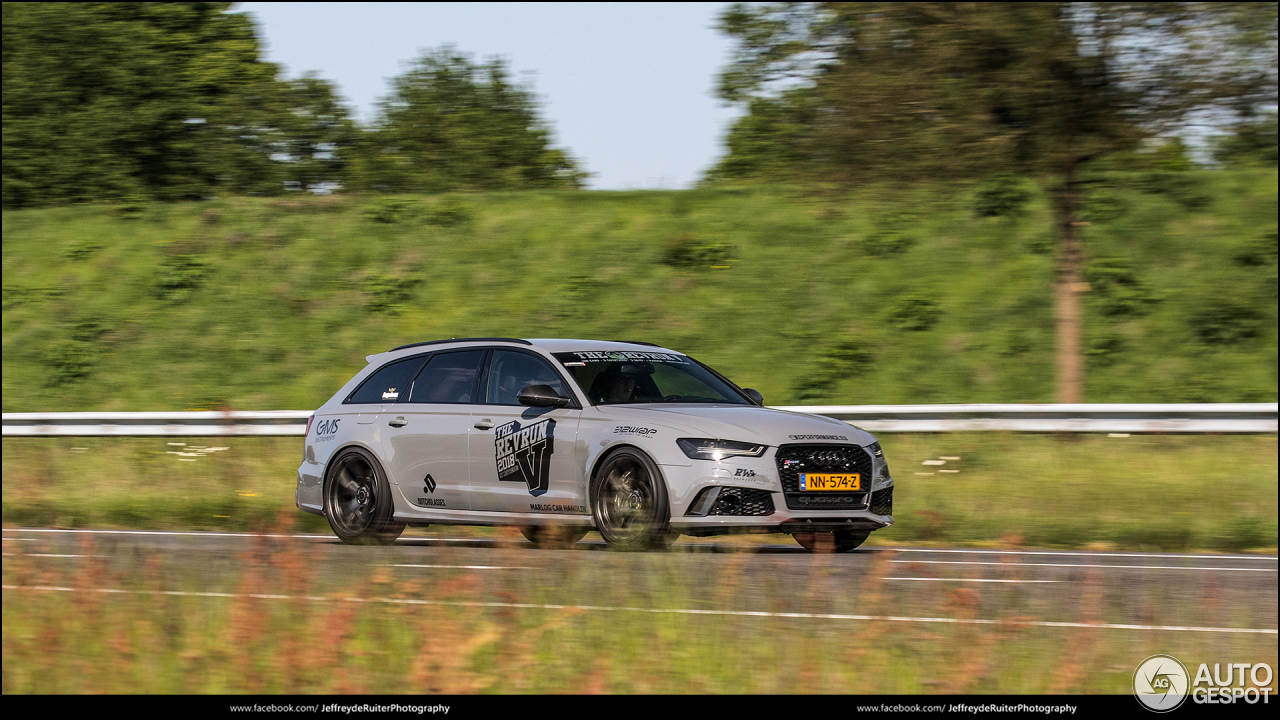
874	449
701	449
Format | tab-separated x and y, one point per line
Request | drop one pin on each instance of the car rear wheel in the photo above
629	502
840	541
553	536
357	500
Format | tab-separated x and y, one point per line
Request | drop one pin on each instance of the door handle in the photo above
398	422
483	424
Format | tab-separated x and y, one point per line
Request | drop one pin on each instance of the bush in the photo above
1000	196
849	358
386	210
683	250
1259	251
179	275
69	360
1117	287
386	293
914	312
886	243
449	212
1223	321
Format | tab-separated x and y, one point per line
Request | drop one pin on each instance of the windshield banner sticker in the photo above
524	453
631	355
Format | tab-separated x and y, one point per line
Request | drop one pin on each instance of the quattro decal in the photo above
524	453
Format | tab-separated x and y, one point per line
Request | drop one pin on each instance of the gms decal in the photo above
524	453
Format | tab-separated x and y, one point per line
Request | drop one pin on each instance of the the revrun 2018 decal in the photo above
524	453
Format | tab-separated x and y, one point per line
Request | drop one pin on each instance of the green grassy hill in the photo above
882	295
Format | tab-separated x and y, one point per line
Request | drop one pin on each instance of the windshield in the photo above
610	378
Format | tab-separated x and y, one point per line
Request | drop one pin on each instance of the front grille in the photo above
743	501
795	459
882	501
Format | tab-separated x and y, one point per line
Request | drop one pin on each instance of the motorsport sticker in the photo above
555	507
524	453
818	437
429	502
628	430
327	429
1160	683
632	355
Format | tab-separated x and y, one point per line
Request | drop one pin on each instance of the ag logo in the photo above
428	484
1160	683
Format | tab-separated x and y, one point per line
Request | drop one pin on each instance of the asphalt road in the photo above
1124	592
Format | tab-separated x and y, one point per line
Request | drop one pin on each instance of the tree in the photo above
452	124
851	91
161	100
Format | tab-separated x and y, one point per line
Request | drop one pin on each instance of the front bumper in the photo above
694	490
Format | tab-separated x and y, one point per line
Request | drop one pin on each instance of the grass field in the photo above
1158	492
282	628
878	295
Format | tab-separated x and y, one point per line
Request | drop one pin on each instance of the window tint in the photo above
449	378
511	372
390	384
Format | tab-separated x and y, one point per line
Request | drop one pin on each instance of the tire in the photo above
826	542
357	500
629	502
553	536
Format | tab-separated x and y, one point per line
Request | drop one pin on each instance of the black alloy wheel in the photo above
829	542
357	500
553	536
629	502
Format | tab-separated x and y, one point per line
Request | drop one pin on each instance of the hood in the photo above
747	423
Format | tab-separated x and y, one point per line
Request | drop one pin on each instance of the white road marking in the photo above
654	611
969	580
1083	565
47	555
459	567
1271	558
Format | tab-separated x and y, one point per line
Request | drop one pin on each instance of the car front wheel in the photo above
629	502
357	500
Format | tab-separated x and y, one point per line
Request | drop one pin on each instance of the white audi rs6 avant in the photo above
559	437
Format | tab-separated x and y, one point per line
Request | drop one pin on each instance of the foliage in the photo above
450	124
685	250
1121	292
999	196
1226	321
115	100
914	312
268	307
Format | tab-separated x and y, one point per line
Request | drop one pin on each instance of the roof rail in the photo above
457	340
638	342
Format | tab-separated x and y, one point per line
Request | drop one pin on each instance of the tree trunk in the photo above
1070	286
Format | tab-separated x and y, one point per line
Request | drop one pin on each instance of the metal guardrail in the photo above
1082	418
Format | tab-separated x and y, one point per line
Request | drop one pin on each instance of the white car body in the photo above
443	461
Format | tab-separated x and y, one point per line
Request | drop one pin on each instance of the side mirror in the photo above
541	396
754	395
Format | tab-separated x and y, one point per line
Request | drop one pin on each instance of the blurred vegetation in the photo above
133	102
129	618
1003	486
260	304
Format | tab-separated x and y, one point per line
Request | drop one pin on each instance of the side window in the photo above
389	384
511	372
449	378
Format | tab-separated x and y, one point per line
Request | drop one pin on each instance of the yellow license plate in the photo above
830	481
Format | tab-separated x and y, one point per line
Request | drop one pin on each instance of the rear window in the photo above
388	384
449	378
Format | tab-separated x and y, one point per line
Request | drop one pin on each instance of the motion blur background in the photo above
873	203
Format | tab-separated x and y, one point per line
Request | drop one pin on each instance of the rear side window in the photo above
449	378
390	383
511	372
